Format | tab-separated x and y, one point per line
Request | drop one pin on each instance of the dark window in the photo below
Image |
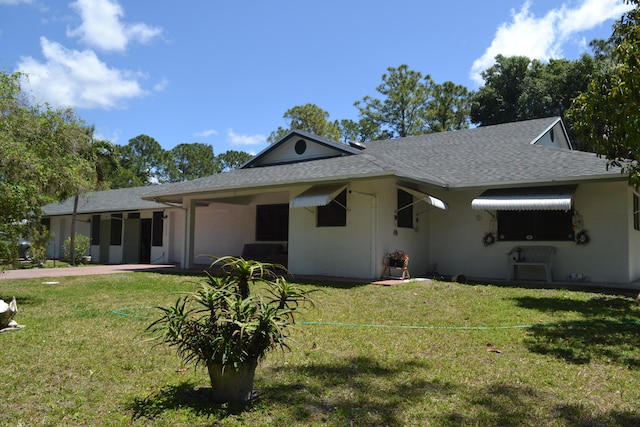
405	209
116	230
134	215
272	222
636	214
535	225
335	213
95	230
157	229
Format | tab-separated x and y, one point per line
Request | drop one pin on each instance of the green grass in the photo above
366	355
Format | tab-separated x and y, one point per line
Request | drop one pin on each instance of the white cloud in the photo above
161	85
102	26
238	139
78	78
205	133
543	37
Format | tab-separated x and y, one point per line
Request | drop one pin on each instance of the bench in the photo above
265	252
531	255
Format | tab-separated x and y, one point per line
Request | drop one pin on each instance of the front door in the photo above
145	241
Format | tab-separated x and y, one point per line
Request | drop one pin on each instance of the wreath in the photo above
582	238
488	239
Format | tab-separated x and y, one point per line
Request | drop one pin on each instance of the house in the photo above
456	202
123	227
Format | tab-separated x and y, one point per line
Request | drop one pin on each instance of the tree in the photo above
364	130
449	107
232	159
498	100
403	109
309	118
190	161
43	156
607	113
141	161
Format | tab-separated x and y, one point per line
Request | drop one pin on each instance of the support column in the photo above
189	233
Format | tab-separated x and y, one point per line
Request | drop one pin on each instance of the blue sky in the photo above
224	73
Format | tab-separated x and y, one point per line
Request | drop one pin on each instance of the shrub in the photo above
81	246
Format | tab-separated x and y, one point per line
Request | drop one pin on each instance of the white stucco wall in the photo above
457	247
358	250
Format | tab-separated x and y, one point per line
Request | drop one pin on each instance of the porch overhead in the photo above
557	198
318	195
423	197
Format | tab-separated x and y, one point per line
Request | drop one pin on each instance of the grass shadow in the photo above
184	395
360	391
608	332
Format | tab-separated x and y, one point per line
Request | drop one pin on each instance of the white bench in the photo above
531	255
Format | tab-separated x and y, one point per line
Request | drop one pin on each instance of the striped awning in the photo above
319	195
423	197
557	198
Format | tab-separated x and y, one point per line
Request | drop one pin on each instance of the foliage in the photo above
517	88
402	110
42	153
190	161
39	239
82	245
232	159
449	108
309	118
223	323
607	113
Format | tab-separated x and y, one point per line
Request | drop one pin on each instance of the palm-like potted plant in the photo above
228	328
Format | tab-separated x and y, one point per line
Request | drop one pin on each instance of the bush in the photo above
40	237
81	246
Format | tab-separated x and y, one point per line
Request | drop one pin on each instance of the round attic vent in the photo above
301	146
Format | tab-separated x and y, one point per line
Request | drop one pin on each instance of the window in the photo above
535	225
404	209
157	229
272	222
95	230
335	213
636	214
116	230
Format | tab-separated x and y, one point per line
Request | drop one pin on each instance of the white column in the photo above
189	232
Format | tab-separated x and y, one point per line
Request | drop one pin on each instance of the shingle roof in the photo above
124	199
491	156
499	155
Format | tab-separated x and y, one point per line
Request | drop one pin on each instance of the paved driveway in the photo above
31	273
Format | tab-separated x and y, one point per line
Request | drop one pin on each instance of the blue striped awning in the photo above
557	198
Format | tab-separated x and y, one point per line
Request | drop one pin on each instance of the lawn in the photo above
441	354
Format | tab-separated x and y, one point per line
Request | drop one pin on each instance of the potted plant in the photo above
397	259
228	328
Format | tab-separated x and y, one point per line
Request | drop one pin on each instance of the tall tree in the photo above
607	114
449	107
364	130
232	159
140	160
309	118
189	161
498	100
403	107
43	154
517	88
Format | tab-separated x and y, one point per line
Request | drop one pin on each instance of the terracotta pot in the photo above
231	385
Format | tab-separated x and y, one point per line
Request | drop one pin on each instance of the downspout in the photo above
374	232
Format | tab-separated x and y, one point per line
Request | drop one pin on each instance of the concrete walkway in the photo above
34	273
